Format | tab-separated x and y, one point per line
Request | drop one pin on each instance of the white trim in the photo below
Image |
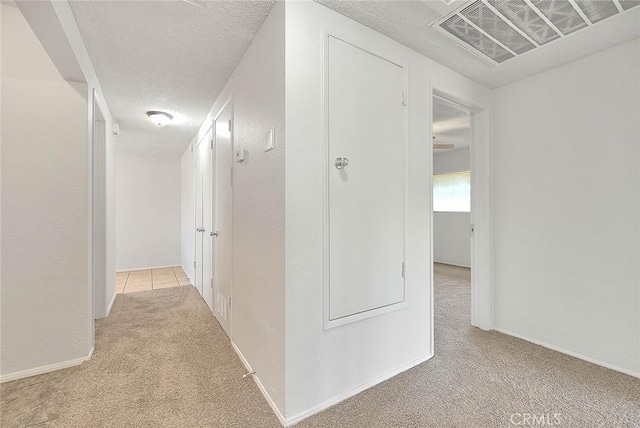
481	213
186	272
451	264
572	354
153	267
337	399
113	300
261	387
45	369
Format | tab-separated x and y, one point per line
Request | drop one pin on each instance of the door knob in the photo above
340	163
199	229
213	233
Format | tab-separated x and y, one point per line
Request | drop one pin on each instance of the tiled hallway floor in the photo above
150	279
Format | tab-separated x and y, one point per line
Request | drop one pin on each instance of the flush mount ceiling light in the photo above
498	30
160	118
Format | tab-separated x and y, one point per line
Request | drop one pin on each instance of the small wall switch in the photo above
240	154
270	140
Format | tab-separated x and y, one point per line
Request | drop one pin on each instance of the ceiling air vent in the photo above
498	30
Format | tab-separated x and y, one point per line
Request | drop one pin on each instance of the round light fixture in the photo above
160	118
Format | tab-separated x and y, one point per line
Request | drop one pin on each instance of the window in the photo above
452	192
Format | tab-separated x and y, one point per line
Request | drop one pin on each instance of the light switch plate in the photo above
270	140
240	154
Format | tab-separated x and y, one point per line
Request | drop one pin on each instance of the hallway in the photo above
150	369
161	360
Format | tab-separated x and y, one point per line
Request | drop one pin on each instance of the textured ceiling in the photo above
408	23
451	126
165	55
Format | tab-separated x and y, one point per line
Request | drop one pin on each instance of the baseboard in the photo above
335	400
452	264
261	387
113	300
572	354
147	268
186	272
45	369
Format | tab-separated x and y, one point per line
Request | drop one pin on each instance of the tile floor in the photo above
150	279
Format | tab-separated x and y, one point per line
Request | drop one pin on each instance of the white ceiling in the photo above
165	55
450	126
408	23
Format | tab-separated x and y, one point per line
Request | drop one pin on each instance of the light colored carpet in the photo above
479	379
161	360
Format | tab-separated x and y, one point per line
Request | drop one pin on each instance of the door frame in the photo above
227	103
481	203
97	207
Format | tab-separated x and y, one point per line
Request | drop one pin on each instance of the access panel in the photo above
366	180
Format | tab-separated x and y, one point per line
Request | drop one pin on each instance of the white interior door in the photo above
199	219
367	195
206	154
223	242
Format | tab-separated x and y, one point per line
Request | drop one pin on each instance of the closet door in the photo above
206	150
223	241
198	211
366	188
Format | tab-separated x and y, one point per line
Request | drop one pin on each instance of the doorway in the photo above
461	166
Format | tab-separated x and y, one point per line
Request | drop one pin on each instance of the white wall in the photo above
257	87
45	294
567	207
148	211
188	220
451	241
325	366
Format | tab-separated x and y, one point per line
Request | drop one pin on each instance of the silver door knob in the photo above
199	229
213	233
340	163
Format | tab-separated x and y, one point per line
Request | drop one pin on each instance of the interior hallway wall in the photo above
148	211
566	176
45	293
326	366
451	241
257	88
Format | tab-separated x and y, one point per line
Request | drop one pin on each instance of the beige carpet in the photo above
479	379
161	360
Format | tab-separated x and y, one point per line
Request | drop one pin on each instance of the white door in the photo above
206	154
223	249
367	195
203	151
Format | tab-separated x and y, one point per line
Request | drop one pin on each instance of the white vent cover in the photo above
498	30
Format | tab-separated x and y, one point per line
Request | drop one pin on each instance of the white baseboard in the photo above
45	369
260	386
572	354
147	268
452	264
335	400
186	271
113	300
